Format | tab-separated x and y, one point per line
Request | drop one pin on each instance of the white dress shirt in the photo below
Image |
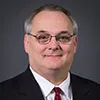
47	87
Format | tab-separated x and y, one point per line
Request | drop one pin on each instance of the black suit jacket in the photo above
25	87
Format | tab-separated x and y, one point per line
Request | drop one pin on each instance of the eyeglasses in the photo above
45	38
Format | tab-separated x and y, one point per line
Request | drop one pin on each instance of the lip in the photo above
53	55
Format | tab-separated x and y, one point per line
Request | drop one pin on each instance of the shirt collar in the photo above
66	87
46	86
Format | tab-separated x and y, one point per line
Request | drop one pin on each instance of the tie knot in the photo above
57	90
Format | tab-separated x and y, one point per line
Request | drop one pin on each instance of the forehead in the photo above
51	21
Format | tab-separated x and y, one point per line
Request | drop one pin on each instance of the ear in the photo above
26	43
75	43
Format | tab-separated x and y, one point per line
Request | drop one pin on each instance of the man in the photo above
50	42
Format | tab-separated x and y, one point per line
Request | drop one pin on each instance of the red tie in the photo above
57	91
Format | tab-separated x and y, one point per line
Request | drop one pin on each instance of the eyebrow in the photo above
61	32
42	31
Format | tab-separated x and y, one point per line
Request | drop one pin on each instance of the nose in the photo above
54	45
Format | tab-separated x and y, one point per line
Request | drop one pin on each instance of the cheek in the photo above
36	49
35	53
69	51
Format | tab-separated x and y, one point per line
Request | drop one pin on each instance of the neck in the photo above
56	77
57	80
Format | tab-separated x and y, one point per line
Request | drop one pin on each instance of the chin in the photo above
53	65
52	60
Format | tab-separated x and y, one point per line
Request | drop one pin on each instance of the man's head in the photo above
49	7
50	39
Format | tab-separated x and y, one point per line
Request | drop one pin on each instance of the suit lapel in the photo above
28	88
79	88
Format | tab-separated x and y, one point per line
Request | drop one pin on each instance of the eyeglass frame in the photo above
49	40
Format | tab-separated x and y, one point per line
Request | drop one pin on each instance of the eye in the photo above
43	37
63	38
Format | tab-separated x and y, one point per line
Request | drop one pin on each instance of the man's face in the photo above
54	55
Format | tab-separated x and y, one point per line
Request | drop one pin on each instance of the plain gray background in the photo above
13	13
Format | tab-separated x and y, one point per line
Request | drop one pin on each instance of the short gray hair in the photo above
49	7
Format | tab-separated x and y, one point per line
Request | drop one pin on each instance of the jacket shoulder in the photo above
84	88
82	80
10	84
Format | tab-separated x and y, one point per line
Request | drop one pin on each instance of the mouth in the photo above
52	55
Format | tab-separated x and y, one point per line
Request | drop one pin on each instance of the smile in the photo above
53	55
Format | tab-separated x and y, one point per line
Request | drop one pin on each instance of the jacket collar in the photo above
28	88
80	87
